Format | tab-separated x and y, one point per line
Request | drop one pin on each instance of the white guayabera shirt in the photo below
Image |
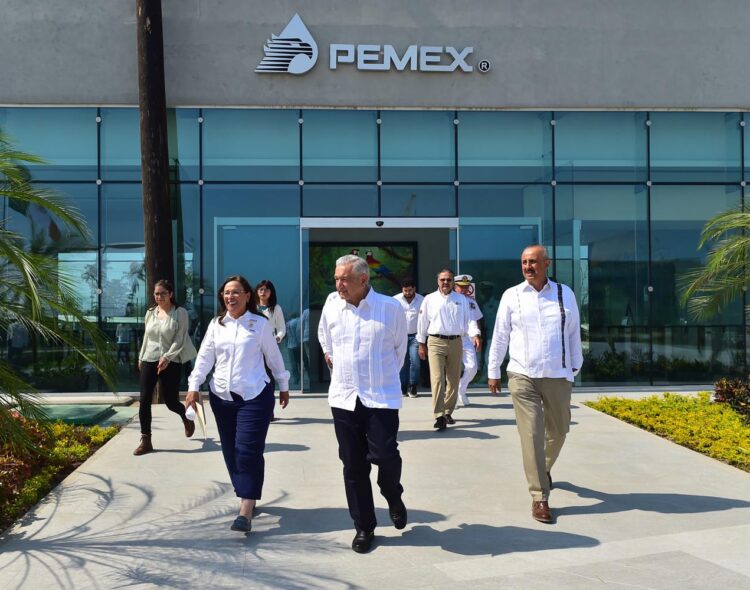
529	326
235	349
367	345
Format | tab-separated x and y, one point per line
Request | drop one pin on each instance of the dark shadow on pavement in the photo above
461	429
481	539
327	520
645	501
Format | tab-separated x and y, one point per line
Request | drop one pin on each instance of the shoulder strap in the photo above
562	320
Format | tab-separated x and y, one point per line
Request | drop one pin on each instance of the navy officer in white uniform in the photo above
363	337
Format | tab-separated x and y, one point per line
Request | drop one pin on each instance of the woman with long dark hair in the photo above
269	306
166	346
238	345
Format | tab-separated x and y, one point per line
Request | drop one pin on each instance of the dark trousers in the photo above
243	426
368	436
169	382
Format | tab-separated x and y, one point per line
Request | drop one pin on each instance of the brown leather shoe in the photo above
145	446
189	427
540	511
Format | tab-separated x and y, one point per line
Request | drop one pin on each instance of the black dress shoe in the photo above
440	423
449	419
242	524
397	511
362	541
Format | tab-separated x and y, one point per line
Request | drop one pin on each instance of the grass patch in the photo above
694	422
26	477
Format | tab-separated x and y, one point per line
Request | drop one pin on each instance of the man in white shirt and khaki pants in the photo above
444	318
363	336
538	324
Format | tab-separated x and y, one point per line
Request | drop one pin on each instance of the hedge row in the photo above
716	430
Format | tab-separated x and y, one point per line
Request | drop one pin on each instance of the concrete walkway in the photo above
633	511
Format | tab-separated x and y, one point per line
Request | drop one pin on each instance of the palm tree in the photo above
724	277
35	295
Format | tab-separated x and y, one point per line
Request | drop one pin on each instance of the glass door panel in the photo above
269	251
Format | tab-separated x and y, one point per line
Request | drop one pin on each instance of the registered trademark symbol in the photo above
484	66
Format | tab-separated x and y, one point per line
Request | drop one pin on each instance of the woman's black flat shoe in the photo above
241	524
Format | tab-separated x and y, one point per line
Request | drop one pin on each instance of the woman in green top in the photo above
166	346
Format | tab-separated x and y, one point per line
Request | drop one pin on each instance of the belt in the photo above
412	334
442	337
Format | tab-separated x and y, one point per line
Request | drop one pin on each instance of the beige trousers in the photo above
542	409
445	373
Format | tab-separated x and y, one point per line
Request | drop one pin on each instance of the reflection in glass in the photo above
183	141
509	200
339	201
64	137
418	201
602	146
602	253
121	144
417	146
687	349
252	145
340	146
695	147
504	147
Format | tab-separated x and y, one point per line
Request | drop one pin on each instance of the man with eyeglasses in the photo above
444	318
538	325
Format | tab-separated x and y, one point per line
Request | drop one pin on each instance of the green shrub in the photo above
26	477
695	422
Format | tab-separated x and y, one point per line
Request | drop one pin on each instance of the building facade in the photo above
419	136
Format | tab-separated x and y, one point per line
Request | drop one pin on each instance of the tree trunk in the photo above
157	214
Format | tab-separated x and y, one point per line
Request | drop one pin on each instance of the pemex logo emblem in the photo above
293	51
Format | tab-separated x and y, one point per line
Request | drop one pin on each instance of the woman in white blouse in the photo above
238	345
269	307
166	346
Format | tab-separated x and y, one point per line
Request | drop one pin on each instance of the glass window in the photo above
223	203
602	253
603	146
183	141
418	201
695	147
251	200
340	146
64	137
688	350
48	232
513	200
417	146
336	200
504	147
122	215
261	145
121	144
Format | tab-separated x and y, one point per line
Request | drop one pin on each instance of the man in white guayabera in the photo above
363	336
538	325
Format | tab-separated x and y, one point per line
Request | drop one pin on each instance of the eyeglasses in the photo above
232	293
161	293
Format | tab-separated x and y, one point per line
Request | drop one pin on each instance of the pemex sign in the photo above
294	51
